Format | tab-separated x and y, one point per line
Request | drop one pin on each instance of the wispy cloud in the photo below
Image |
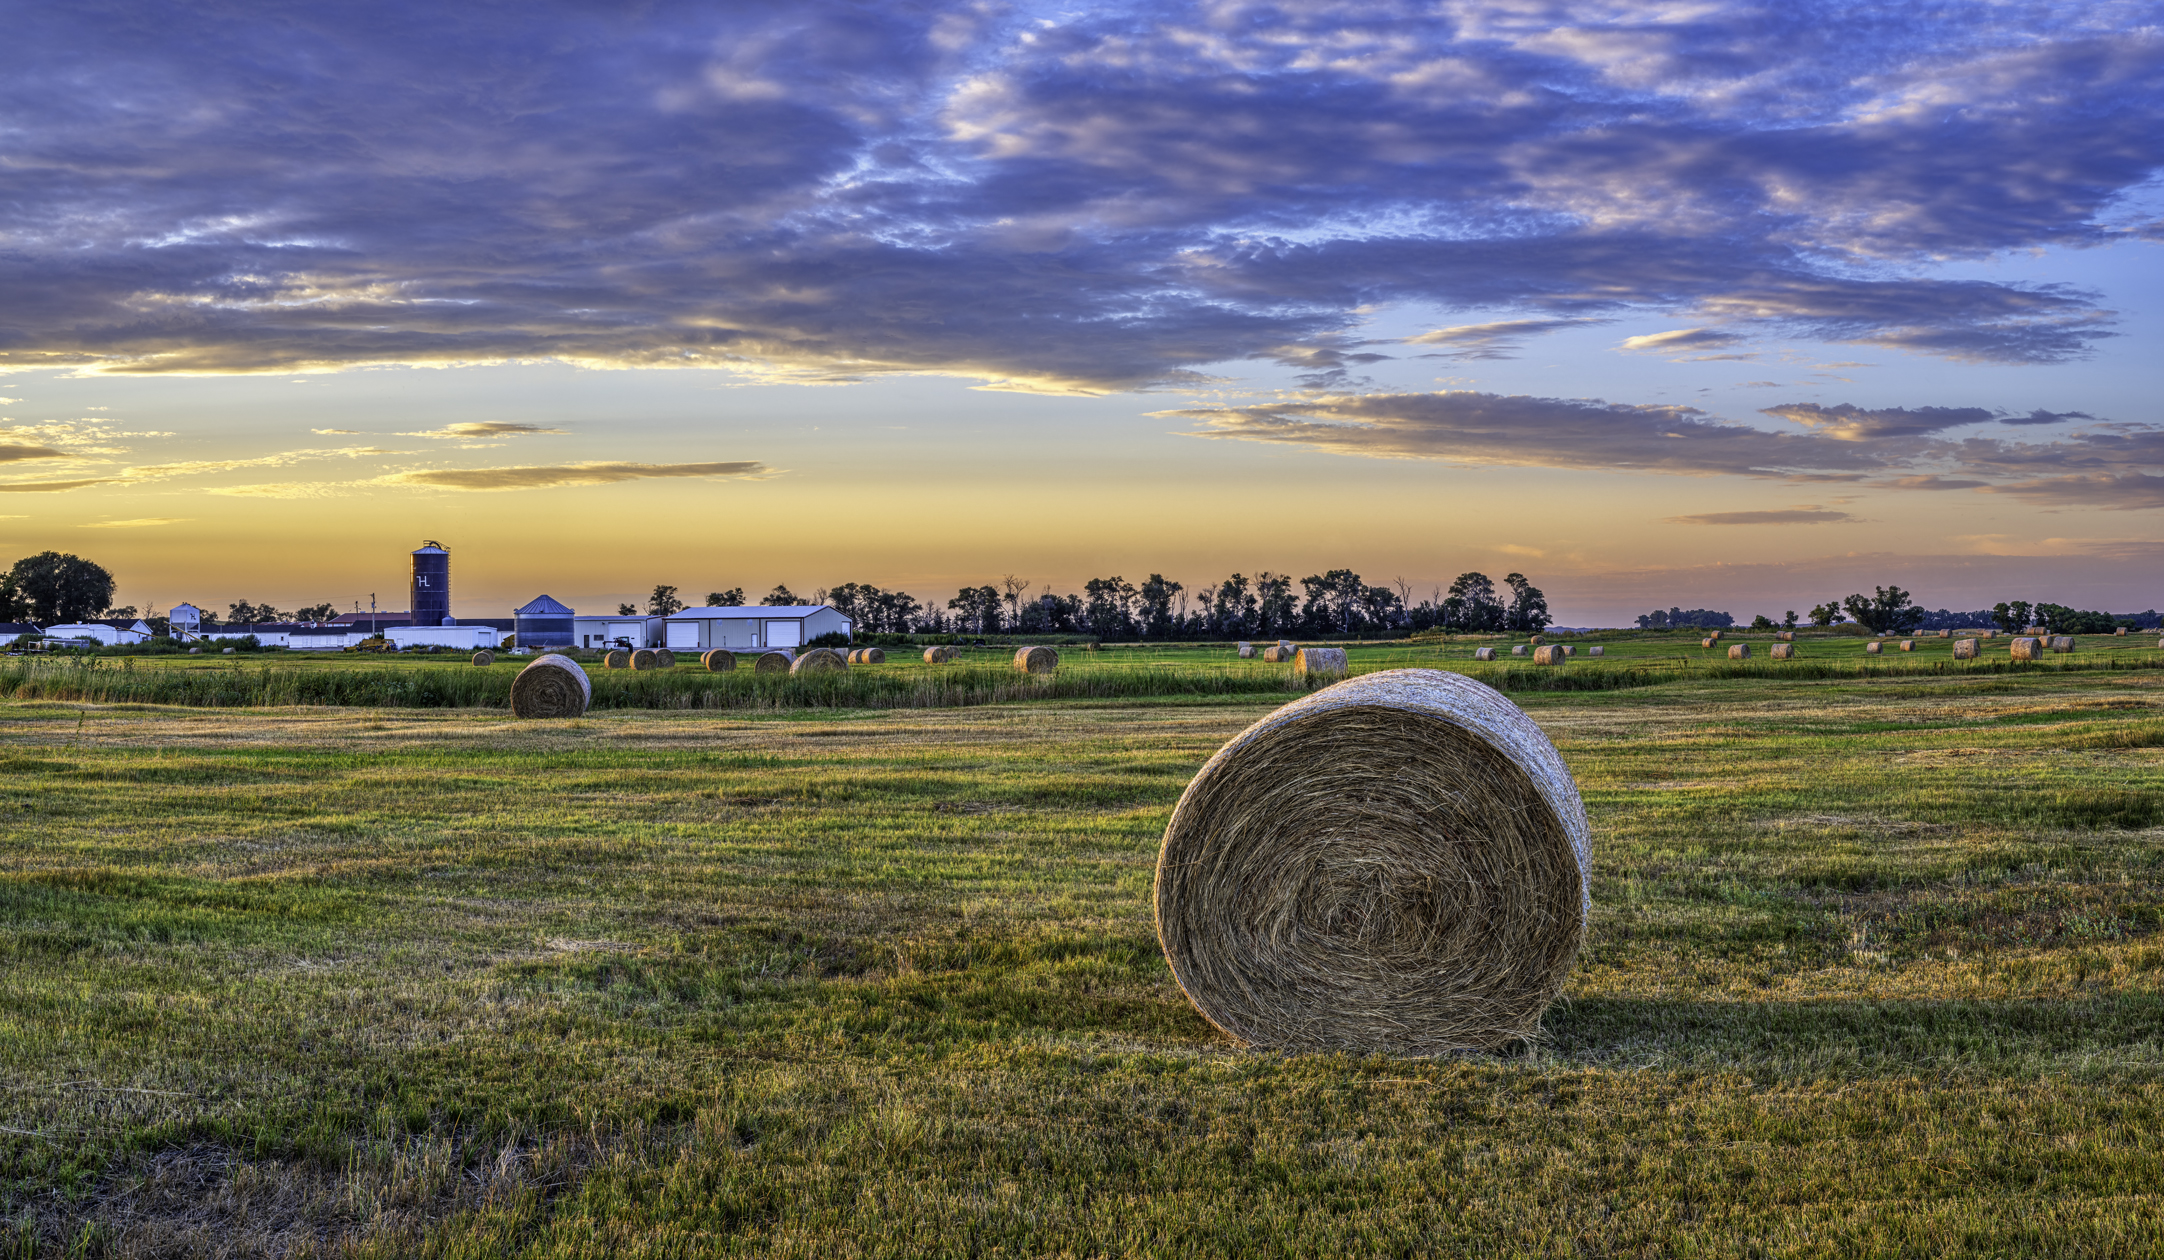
51	487
587	474
1856	424
339	431
1499	340
1687	343
1783	516
484	429
11	453
140	522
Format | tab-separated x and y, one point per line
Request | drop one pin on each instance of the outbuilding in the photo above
613	632
786	626
103	633
460	638
545	623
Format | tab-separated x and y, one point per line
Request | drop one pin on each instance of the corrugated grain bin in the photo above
429	598
1739	652
1964	649
543	623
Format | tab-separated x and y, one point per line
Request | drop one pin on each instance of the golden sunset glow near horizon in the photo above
1715	306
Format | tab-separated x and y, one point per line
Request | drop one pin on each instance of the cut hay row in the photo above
1397	863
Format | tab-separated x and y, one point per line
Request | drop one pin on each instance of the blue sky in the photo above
1736	305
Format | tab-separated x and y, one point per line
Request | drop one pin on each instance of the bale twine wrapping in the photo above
1247	651
1908	645
484	657
1396	863
820	661
1964	649
616	658
1550	654
1595	650
719	661
644	659
664	659
1739	651
1484	654
1874	647
552	686
1320	662
1518	649
2026	648
1784	651
771	663
1036	660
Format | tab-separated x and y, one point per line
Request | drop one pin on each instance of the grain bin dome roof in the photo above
543	606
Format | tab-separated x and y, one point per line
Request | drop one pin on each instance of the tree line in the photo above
1891	610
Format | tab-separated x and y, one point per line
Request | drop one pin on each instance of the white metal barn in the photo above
462	638
104	633
791	626
611	632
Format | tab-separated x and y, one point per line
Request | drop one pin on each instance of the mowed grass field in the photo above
1874	970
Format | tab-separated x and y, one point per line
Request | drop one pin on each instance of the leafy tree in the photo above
1826	614
2059	619
1788	620
1528	612
781	597
61	588
1890	611
316	612
1655	620
1381	607
125	612
1763	622
627	610
1105	607
978	608
1014	588
731	598
1275	606
13	606
1155	604
1234	612
247	614
2012	617
663	602
1473	606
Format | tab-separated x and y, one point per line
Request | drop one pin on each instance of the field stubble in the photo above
1874	970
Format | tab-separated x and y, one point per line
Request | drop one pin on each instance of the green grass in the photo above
1874	970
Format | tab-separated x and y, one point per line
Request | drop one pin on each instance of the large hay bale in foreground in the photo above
1739	652
1874	648
771	663
616	658
819	661
484	657
1784	651
645	659
1550	654
1964	649
1320	662
1036	660
1397	863
1484	654
719	661
552	686
1247	651
1595	650
2026	648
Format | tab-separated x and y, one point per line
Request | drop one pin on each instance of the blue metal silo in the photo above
544	623
431	594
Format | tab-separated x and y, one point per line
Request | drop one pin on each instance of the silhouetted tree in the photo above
58	588
663	602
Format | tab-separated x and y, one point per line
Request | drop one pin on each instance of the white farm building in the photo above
788	626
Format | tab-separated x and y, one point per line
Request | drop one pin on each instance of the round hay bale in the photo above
1964	649
551	686
1739	651
1595	650
1535	641
1991	634
664	659
1784	651
2062	643
1550	654
1874	647
484	657
1715	636
1518	649
195	651
616	658
2120	632
1277	655
645	659
1288	647
719	661
1484	654
938	655
1036	660
819	661
1320	662
1247	651
1908	645
1709	640
1570	649
2026	647
2035	632
1784	636
771	663
1944	634
229	651
1396	863
872	656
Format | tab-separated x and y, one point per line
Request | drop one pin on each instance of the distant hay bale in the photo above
2062	643
552	686
1739	652
645	659
869	656
664	659
1518	649
1036	660
1709	640
2120	632
819	661
1944	634
2026	648
1595	650
2034	632
1536	640
1874	647
1784	651
1399	863
1784	636
1908	645
1550	654
1991	634
771	663
940	655
1715	636
484	657
719	661
1964	649
1286	646
616	658
1247	651
1320	662
1278	655
1569	650
1484	654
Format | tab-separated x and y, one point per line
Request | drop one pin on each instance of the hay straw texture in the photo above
2062	643
873	656
2026	648
1247	651
1874	648
1964	649
1784	636
819	661
1277	655
1784	651
1716	636
1908	645
940	655
1536	641
1596	650
771	663
2121	632
1483	654
1739	652
644	659
484	657
616	658
1708	641
552	686
1317	662
664	659
1036	660
1398	863
1286	646
1550	654
1518	649
719	661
